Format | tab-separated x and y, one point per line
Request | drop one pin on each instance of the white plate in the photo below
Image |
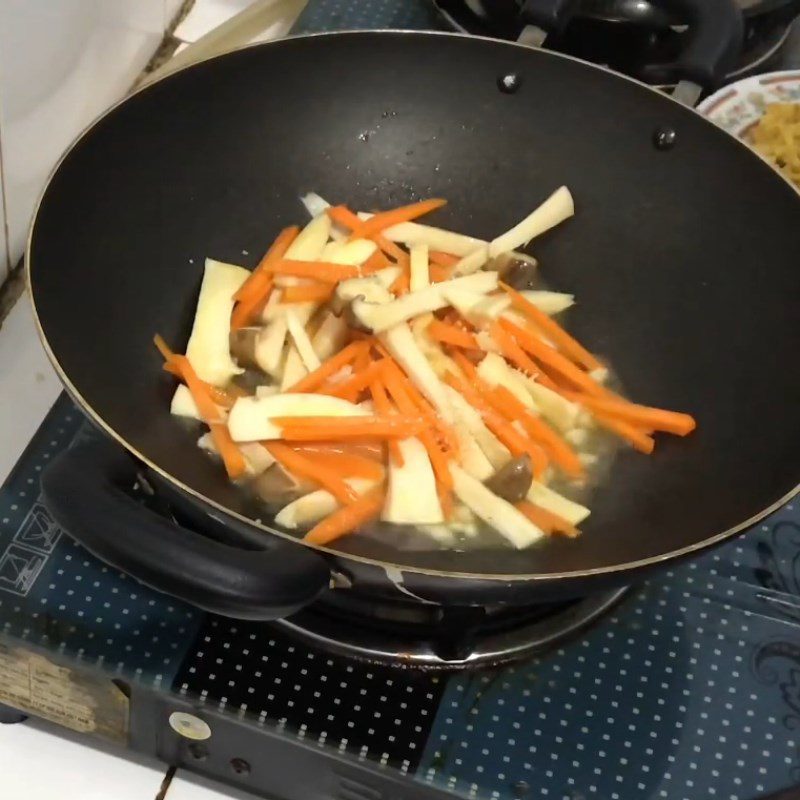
737	107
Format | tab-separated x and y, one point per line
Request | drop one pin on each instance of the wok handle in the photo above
714	37
84	489
551	16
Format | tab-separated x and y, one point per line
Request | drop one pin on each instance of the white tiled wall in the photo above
61	63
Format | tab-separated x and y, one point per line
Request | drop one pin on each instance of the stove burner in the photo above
432	637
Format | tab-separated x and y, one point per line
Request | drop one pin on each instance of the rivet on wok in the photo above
664	138
509	83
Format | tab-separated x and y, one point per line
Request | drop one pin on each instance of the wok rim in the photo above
203	500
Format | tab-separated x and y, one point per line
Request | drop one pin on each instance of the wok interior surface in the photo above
683	261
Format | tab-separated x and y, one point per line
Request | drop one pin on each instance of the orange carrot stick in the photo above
351	388
512	351
304	467
469	370
569	346
498	425
451	334
343	216
395	384
249	307
402	283
314	379
445	495
305	429
312	292
345	520
232	457
441	259
656	419
552	359
438	273
546	520
276	251
317	270
362	360
555	447
638	438
444	432
348	464
386	219
384	407
375	262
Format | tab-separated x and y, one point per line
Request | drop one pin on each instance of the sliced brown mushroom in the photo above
517	270
513	480
251	379
242	343
277	488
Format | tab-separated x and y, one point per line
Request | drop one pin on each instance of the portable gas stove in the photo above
686	686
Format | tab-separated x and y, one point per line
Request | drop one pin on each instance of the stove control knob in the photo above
189	726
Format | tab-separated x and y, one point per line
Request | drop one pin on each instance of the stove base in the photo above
525	634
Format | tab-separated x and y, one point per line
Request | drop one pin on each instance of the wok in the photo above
682	255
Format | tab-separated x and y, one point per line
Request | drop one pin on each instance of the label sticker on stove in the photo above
79	701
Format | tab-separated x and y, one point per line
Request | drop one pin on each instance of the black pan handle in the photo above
714	37
551	16
84	489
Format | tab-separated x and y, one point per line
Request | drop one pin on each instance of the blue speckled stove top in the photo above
689	689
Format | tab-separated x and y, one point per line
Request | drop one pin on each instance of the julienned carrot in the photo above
304	293
402	283
314	379
276	251
480	398
343	216
445	495
498	425
304	467
438	459
438	273
553	359
656	419
451	334
468	368
351	388
636	436
555	447
362	360
384	407
253	293
375	262
232	458
546	520
247	309
394	251
386	219
345	520
318	270
421	404
442	259
512	351
569	346
221	397
311	429
349	464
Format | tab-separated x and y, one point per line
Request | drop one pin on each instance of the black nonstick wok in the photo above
683	255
